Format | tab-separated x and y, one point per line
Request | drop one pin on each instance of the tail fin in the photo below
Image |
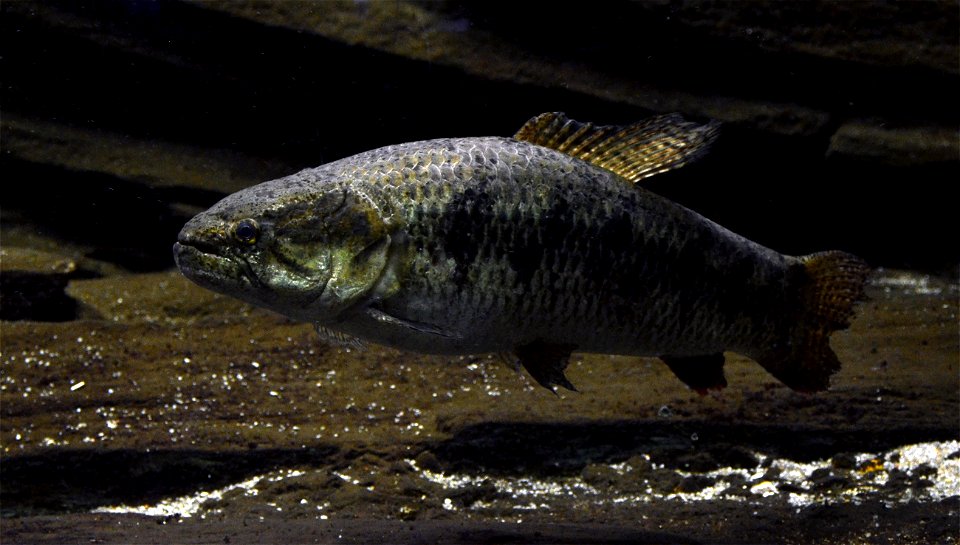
827	285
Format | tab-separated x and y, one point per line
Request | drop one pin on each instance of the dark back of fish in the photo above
537	245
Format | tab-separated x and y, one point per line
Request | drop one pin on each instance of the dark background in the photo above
120	120
840	119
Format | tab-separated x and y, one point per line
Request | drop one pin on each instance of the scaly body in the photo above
495	244
503	243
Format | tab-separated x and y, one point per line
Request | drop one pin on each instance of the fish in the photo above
533	247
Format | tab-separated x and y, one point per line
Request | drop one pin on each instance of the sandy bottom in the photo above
170	414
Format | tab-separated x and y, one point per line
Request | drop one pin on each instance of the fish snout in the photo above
201	236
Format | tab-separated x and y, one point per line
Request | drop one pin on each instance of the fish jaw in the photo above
203	255
313	251
205	269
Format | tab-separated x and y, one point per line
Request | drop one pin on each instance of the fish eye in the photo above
246	232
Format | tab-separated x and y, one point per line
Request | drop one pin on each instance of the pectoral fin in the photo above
421	327
546	362
700	373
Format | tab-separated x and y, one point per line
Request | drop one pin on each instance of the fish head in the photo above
299	246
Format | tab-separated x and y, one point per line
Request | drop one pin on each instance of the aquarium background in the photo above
121	120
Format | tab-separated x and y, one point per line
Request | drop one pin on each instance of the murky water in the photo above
174	403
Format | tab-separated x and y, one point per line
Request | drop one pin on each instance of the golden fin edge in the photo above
634	152
828	287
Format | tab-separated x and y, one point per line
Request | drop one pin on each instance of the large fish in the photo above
537	245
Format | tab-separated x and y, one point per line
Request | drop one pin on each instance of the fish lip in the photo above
189	259
187	256
185	239
191	251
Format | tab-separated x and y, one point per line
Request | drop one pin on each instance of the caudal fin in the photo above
827	284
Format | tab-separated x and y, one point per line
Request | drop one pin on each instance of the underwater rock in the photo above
151	162
695	483
428	461
599	475
697	462
471	494
850	44
154	298
898	146
32	284
844	460
826	478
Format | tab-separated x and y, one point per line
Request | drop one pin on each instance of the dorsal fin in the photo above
635	152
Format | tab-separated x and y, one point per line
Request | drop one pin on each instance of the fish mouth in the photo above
202	264
195	254
205	267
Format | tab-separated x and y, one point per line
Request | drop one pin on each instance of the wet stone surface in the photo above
161	399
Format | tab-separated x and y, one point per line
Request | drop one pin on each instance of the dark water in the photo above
126	391
172	402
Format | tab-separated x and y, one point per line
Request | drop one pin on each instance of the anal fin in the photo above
546	363
700	373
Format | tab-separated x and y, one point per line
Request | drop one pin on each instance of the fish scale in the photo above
474	245
540	245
